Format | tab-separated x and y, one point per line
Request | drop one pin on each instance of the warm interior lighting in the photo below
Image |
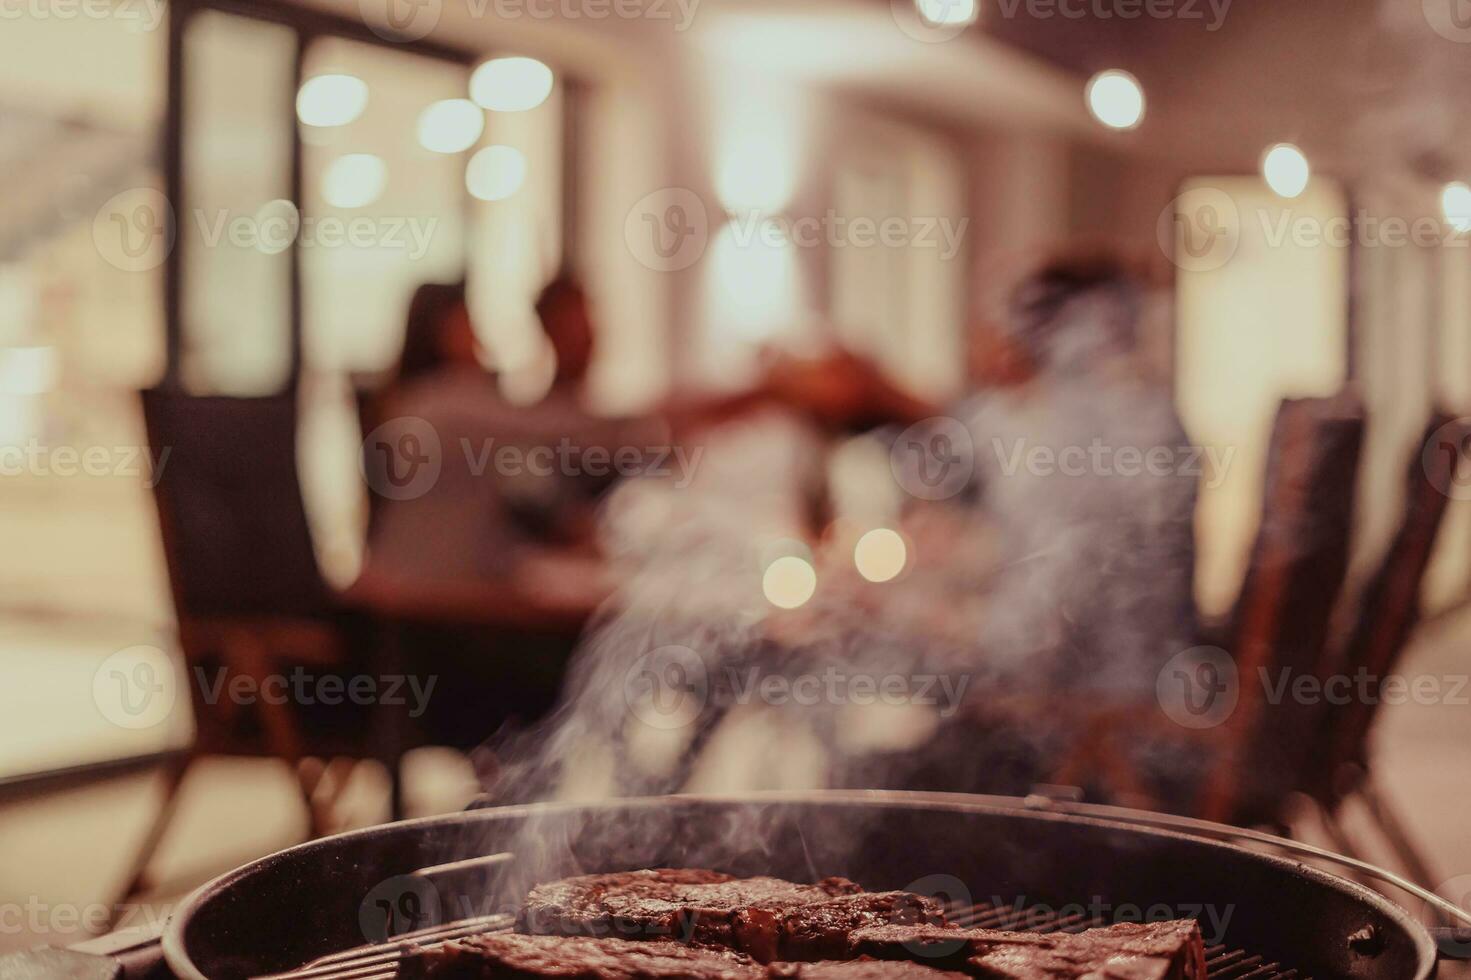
789	582
1286	170
880	555
331	100
753	285
496	172
28	370
1455	204
755	168
354	181
1116	99
511	84
947	13
450	126
277	223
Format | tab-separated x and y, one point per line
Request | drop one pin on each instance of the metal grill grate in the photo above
379	961
1222	963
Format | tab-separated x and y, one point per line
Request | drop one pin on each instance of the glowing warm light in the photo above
947	13
1286	170
28	370
789	582
495	173
754	282
277	223
450	126
758	143
1116	99
755	173
331	100
880	555
354	181
1455	204
511	84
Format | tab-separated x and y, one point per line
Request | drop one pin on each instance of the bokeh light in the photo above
354	181
331	100
511	84
789	582
880	555
1455	204
450	126
947	13
1286	170
1116	99
495	173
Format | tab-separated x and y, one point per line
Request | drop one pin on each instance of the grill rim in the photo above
181	962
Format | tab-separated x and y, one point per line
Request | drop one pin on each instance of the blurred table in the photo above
548	591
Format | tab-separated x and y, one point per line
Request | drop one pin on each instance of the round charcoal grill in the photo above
342	908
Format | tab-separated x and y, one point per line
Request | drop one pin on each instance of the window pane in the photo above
382	213
81	317
238	76
518	244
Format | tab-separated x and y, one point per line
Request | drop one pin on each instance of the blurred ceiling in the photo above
1366	87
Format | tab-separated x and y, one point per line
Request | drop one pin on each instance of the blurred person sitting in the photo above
1085	469
512	478
494	600
1082	501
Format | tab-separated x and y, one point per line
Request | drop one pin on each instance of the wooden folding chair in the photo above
251	600
1281	620
1387	610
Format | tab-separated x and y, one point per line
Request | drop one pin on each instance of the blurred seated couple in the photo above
483	535
470	487
1055	588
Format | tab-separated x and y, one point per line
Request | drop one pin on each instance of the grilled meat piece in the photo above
767	918
941	947
859	969
508	956
1127	951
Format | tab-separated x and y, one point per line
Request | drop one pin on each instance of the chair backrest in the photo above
1281	621
1389	604
234	526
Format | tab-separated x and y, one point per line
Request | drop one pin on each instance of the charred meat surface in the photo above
767	918
942	947
1128	951
508	956
859	969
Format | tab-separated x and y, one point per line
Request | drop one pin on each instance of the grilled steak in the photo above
1128	951
766	918
508	956
859	969
941	947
